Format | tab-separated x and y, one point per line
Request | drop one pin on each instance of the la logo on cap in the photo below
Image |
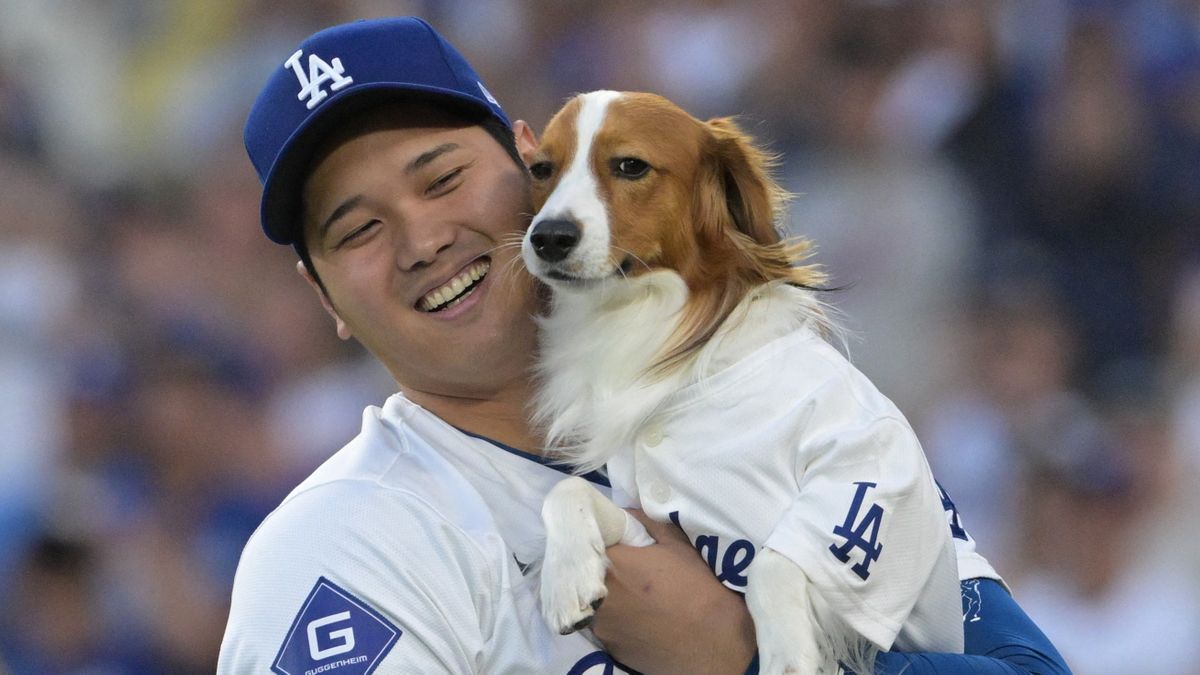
319	72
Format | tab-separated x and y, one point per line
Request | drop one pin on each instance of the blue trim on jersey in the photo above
592	476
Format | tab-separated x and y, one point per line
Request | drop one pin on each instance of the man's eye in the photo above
541	170
357	232
443	181
631	168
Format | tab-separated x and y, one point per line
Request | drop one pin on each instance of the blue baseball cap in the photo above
339	71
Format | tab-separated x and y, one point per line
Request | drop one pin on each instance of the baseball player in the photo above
399	180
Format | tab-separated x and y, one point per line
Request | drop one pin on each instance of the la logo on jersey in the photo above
336	633
319	72
861	534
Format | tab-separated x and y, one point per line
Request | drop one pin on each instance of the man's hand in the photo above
666	613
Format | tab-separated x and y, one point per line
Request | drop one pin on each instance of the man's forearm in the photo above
999	638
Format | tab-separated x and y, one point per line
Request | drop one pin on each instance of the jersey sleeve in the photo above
869	532
351	573
971	563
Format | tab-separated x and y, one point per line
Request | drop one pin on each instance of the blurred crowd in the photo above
1006	193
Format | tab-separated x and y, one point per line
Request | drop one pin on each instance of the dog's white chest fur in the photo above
600	345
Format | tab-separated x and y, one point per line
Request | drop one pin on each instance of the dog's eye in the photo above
629	167
541	170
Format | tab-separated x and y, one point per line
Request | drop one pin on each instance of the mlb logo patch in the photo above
335	633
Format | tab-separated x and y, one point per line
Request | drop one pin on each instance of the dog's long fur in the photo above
616	351
722	283
591	407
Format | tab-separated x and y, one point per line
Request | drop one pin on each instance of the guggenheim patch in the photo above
335	633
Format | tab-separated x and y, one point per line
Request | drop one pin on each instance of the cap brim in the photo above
281	190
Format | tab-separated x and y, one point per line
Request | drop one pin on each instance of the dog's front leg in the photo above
777	595
580	524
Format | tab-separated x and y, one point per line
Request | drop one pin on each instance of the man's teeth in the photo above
453	289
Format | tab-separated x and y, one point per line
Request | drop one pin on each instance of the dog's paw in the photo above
573	586
788	635
778	655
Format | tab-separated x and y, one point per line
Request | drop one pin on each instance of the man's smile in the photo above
456	289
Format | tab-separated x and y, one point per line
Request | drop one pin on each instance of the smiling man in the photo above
399	180
405	215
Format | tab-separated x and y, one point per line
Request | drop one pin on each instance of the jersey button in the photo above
653	436
660	491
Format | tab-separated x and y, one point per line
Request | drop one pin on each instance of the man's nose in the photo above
553	240
420	243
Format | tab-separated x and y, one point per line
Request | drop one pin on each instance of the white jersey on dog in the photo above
830	475
400	555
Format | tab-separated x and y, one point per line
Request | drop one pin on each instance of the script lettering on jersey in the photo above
729	568
319	72
860	534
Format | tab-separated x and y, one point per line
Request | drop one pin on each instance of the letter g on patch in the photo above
345	635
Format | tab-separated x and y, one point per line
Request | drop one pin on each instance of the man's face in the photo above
414	228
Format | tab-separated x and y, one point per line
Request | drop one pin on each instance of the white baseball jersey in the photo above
400	555
794	449
403	554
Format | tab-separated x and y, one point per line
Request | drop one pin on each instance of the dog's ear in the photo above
736	190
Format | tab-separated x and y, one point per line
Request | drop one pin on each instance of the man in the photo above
398	178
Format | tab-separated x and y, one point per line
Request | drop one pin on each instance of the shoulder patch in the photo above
336	633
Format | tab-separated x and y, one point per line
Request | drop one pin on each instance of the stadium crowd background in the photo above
1008	190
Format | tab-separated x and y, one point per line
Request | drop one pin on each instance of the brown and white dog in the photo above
656	233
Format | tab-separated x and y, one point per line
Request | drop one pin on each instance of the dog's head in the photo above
628	183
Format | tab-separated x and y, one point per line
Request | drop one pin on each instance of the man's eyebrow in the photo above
340	211
430	155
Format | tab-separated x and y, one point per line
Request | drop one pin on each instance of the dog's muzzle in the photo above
553	240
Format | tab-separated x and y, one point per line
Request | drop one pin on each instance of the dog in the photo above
685	349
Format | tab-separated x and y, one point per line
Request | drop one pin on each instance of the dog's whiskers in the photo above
633	255
510	271
502	246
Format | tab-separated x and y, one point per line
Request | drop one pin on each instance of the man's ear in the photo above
527	143
343	330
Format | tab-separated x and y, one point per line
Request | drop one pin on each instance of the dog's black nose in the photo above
553	239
